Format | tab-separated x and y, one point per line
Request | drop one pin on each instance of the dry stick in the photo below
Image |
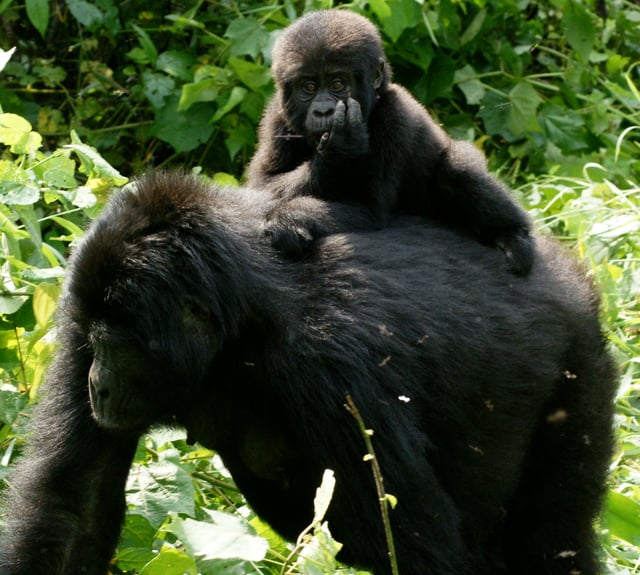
377	476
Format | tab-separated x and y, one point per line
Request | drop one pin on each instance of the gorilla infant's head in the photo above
323	58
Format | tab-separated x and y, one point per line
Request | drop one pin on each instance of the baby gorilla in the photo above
339	129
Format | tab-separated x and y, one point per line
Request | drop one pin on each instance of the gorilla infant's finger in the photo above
354	113
339	114
322	144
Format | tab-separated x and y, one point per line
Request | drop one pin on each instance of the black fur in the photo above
338	128
175	311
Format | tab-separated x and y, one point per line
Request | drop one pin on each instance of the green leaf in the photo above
319	555
160	488
38	13
147	44
16	132
622	517
403	15
185	132
250	74
45	297
248	37
93	164
476	24
579	28
11	304
176	64
170	561
524	102
467	80
235	97
440	76
204	91
17	194
380	8
86	13
157	87
226	537
565	128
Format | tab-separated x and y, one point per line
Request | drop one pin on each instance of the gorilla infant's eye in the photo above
309	86
338	84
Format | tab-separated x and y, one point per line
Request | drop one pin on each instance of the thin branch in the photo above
383	497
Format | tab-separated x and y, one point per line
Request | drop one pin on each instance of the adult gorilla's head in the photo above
323	58
141	297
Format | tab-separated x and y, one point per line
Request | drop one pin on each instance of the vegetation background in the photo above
92	93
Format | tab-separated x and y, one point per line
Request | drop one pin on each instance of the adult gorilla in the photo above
176	312
339	129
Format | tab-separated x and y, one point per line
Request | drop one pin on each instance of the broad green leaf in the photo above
226	537
203	91
12	303
160	488
38	14
157	87
235	97
170	561
565	128
622	517
17	194
176	64
93	164
380	8
403	15
319	555
476	24
580	29
440	76
240	136
44	302
250	74
146	44
13	128
466	79
524	102
185	132
57	171
87	13
495	116
248	37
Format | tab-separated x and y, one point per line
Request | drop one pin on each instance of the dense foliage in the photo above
548	89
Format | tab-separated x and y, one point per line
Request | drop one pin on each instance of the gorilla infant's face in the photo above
319	94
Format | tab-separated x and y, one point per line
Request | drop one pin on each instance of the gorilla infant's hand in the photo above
518	248
348	136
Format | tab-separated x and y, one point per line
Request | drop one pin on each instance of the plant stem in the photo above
377	476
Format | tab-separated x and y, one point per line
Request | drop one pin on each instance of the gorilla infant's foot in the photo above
518	248
294	242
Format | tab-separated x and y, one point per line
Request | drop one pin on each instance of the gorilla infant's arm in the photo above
339	129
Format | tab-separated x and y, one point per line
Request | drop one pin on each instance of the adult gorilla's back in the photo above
490	395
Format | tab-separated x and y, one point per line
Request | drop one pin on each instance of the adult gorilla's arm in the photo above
66	501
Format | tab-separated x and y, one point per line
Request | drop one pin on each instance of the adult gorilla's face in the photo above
127	388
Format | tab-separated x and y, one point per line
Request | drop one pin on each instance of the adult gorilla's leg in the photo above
550	525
